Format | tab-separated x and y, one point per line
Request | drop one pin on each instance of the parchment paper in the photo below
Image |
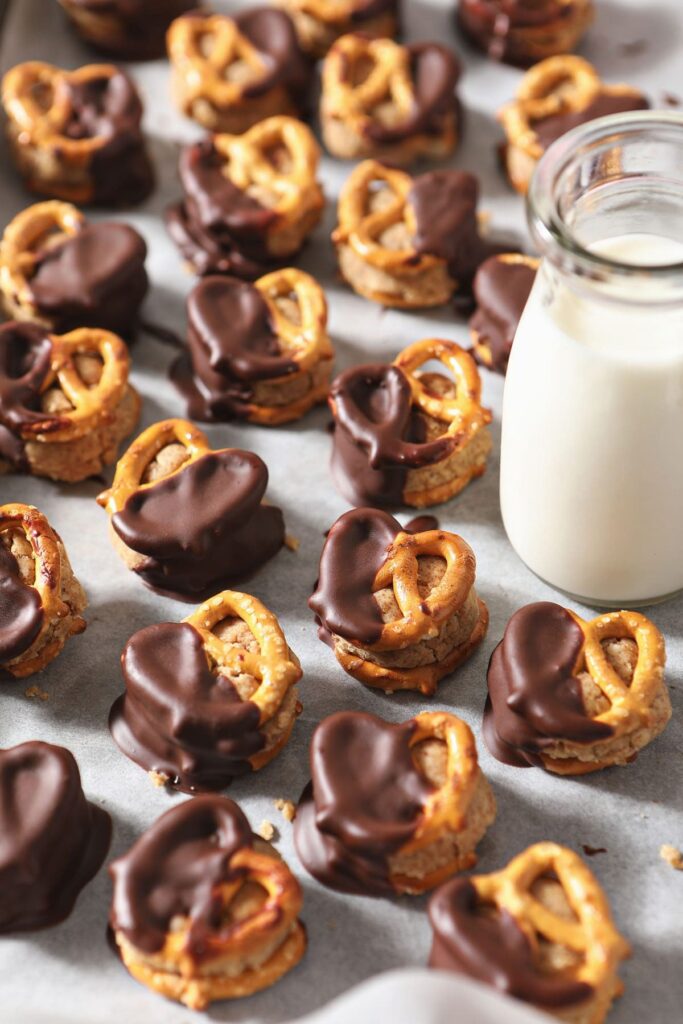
68	973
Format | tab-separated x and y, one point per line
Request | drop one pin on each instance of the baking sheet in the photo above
68	973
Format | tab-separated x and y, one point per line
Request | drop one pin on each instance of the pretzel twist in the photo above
203	49
33	229
592	935
463	412
558	85
630	705
36	98
305	340
361	227
133	464
250	934
422	618
388	80
248	165
47	566
274	666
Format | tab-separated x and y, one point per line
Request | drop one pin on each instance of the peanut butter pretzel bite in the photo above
524	31
186	518
403	436
208	698
203	909
392	808
555	96
231	73
40	598
75	135
60	271
53	840
65	401
398	608
250	201
574	696
257	352
408	242
319	23
539	930
396	103
501	288
128	29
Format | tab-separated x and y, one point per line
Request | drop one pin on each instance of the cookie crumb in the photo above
35	691
158	778
292	543
286	808
672	856
266	830
591	851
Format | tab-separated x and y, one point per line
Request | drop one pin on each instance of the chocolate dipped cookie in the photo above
203	909
391	808
127	29
76	135
186	518
319	23
53	840
208	698
398	608
501	288
524	31
258	352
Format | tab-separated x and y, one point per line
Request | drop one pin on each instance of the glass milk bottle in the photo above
592	449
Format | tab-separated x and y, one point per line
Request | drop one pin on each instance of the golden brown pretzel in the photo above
132	465
591	934
332	12
275	667
389	81
306	341
362	228
31	230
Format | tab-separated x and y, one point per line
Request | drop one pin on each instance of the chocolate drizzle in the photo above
231	345
501	290
548	129
204	525
52	841
109	107
21	610
141	25
378	435
175	870
217	227
96	278
534	696
179	718
434	72
493	948
444	204
363	803
492	24
25	352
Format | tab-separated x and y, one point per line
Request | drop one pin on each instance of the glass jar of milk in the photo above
592	449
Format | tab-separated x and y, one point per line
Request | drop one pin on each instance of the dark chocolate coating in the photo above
488	23
445	207
534	697
363	10
21	610
435	71
178	717
142	25
493	949
272	33
548	129
96	278
378	435
52	840
218	228
231	344
110	107
25	353
501	291
204	525
175	869
363	803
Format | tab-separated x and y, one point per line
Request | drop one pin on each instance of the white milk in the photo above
592	450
